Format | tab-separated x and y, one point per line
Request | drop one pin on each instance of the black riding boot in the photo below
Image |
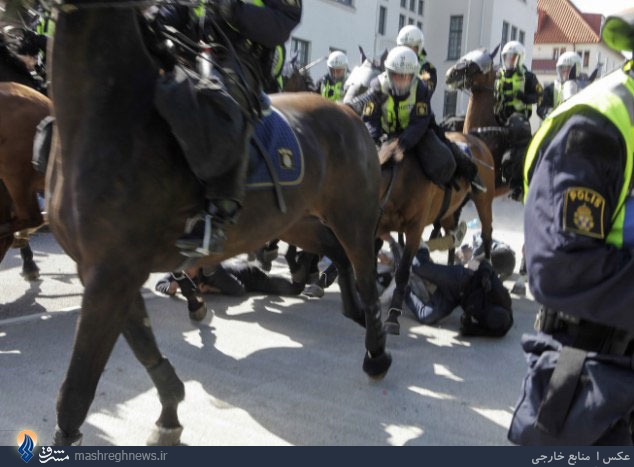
204	234
466	168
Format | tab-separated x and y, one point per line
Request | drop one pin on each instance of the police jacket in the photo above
515	91
254	28
405	117
578	224
427	67
330	89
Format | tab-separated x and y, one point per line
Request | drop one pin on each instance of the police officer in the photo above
249	31
564	87
412	37
515	91
397	105
331	84
486	303
579	230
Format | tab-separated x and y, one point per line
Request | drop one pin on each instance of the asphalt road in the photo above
262	371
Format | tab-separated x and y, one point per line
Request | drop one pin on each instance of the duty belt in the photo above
585	335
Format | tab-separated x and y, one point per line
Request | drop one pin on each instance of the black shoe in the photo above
203	236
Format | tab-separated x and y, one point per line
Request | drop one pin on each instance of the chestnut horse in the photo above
15	155
475	72
21	110
413	202
121	191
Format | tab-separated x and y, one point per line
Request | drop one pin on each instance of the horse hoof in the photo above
161	436
199	313
392	327
62	439
31	275
314	290
376	367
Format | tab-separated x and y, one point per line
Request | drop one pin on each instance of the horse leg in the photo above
105	304
138	333
401	279
195	301
483	203
30	271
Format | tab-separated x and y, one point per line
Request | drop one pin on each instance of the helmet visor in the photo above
337	74
400	83
511	61
563	72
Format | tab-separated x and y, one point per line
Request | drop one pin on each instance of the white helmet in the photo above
512	55
565	63
412	37
337	60
402	61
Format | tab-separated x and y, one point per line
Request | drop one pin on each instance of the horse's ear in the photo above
363	55
593	75
494	53
383	57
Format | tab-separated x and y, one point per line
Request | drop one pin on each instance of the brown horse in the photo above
14	69
121	191
475	72
21	109
413	202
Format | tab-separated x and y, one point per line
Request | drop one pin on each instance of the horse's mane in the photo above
11	58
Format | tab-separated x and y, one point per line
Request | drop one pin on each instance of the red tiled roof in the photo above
561	22
543	64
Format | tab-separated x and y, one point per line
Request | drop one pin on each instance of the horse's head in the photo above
359	79
295	78
475	69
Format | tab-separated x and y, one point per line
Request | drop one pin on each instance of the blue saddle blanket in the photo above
283	148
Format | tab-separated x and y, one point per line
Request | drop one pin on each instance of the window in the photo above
522	36
420	7
586	59
345	2
555	53
451	101
403	3
382	16
412	5
505	33
303	48
410	20
513	33
455	37
401	21
419	25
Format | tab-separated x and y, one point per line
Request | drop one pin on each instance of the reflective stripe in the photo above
391	119
612	97
46	26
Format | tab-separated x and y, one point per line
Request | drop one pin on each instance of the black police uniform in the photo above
486	303
579	389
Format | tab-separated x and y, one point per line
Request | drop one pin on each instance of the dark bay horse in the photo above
120	192
414	202
21	110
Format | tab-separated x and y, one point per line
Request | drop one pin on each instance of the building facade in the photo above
451	28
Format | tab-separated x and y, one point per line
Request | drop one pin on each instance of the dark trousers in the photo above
436	159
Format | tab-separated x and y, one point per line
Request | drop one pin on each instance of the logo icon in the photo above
27	440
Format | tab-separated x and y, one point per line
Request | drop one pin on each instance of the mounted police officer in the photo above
331	84
412	37
249	33
564	87
515	90
579	230
397	105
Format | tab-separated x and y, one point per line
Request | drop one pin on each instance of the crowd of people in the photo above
574	176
